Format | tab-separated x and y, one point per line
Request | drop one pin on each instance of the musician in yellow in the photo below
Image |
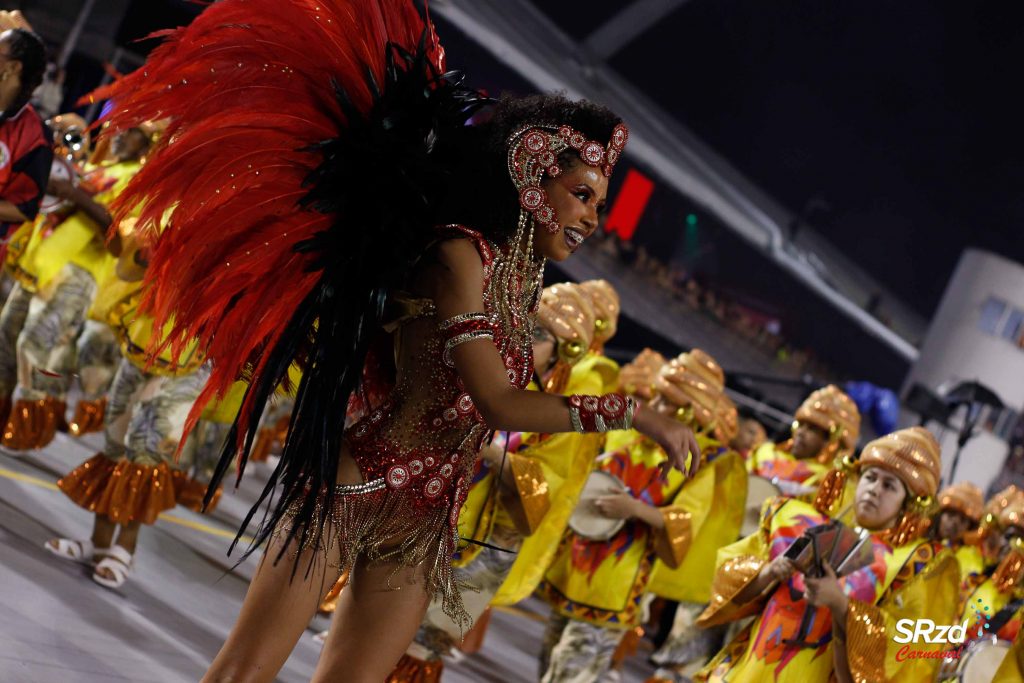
825	429
841	629
63	270
504	511
596	587
715	498
955	525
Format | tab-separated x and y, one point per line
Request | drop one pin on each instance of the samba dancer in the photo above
380	156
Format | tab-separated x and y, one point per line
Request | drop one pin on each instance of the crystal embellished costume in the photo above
337	195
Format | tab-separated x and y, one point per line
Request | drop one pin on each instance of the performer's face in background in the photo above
952	525
879	499
577	196
751	433
129	145
808	440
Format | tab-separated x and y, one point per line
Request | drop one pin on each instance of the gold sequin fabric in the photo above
729	580
866	643
911	454
121	490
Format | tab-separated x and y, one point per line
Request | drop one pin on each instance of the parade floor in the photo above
167	622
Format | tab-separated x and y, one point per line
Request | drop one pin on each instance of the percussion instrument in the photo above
978	664
759	490
60	169
586	521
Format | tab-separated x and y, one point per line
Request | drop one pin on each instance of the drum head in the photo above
759	490
586	521
982	660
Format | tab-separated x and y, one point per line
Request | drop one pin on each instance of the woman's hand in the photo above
825	591
673	436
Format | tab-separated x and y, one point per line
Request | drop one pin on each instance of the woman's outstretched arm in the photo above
456	285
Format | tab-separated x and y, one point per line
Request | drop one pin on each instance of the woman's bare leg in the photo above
373	623
276	610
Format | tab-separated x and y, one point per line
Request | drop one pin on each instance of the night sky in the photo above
904	117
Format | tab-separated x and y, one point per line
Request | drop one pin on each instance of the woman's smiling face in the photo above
578	197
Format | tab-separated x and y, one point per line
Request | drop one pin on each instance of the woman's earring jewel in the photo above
553	228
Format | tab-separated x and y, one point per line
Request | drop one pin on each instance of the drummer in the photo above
825	429
568	458
750	436
508	510
828	628
715	499
596	587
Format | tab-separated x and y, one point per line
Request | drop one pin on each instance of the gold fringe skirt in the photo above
33	423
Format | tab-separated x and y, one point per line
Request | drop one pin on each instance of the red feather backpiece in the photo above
247	89
284	200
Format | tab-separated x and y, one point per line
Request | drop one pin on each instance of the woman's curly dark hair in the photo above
28	48
483	196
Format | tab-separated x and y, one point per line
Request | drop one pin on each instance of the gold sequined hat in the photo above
693	382
1012	514
911	454
997	503
835	412
638	377
965	498
606	306
566	313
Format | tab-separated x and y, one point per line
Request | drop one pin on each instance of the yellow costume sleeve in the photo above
719	488
738	564
673	540
532	489
873	655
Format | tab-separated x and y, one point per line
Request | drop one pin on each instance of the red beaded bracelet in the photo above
601	413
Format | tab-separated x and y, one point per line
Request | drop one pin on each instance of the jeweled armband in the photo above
601	413
462	328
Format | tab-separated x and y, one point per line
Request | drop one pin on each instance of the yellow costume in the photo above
910	578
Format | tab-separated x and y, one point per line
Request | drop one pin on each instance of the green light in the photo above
691	219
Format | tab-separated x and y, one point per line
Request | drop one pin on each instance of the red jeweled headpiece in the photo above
533	151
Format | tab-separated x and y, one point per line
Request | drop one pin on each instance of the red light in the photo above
629	204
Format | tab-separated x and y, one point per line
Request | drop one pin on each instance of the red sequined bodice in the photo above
424	438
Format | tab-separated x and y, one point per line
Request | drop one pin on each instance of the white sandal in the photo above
119	563
77	551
